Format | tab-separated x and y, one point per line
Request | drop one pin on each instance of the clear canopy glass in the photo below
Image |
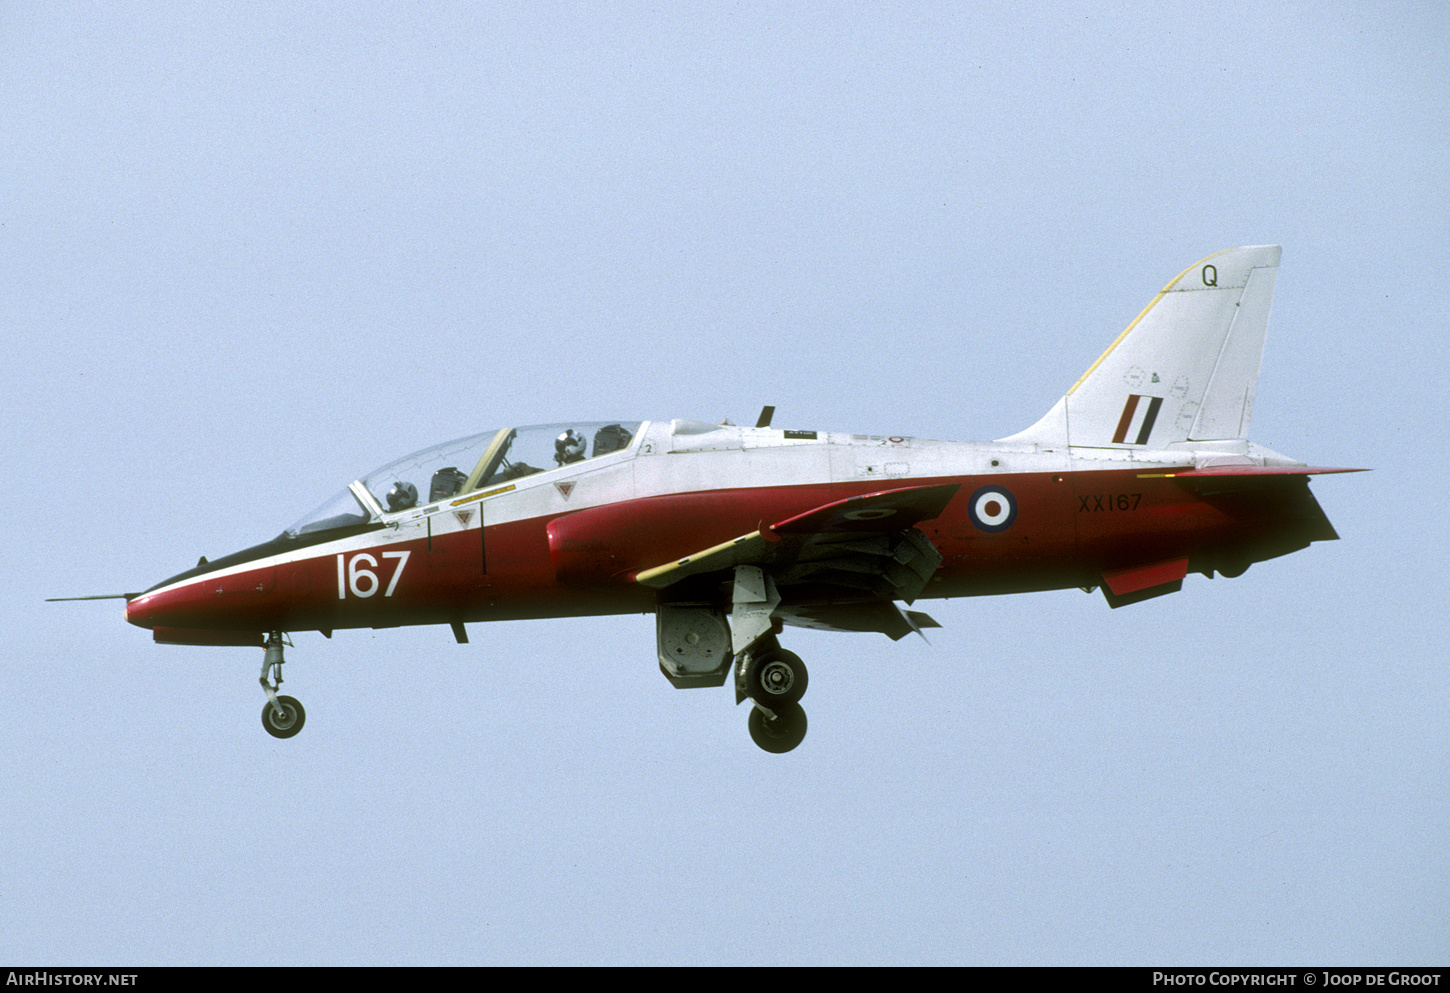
467	464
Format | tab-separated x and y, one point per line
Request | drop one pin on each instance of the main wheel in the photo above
776	678
286	724
780	733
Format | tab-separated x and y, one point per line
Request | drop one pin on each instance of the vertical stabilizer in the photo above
1184	370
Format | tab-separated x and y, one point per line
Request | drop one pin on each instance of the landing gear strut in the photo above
774	680
282	716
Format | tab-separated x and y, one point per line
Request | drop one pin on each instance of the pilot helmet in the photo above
569	447
402	496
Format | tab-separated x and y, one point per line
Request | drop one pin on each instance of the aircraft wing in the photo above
866	543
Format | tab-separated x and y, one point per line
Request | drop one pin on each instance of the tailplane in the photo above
1184	370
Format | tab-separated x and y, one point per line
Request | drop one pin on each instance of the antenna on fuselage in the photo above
766	413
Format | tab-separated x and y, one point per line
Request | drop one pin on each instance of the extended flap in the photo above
883	513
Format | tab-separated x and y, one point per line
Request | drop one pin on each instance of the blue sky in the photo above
251	253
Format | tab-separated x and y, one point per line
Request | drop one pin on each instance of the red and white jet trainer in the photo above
1139	475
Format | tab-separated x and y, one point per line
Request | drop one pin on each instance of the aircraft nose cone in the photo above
165	608
137	612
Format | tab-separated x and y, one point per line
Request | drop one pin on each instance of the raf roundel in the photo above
869	514
992	508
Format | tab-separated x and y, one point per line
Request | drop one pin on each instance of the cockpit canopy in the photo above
465	465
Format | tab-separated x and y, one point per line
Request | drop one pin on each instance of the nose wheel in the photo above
282	716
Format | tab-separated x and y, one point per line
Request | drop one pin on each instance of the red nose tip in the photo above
136	612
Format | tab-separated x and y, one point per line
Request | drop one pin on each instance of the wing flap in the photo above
865	615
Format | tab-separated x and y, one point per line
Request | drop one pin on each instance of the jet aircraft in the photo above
1141	474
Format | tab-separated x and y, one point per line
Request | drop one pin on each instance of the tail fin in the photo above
1184	370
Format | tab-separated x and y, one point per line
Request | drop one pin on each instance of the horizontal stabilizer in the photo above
1282	491
1219	471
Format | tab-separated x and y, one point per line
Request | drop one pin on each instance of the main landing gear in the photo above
774	680
282	716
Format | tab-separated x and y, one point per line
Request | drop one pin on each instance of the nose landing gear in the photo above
282	716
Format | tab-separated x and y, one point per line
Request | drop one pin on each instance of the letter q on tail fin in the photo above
1184	370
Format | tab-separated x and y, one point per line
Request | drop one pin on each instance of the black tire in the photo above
776	678
289	722
781	733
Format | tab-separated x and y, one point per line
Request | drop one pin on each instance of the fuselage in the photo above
569	540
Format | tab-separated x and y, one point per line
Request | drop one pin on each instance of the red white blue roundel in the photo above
992	508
